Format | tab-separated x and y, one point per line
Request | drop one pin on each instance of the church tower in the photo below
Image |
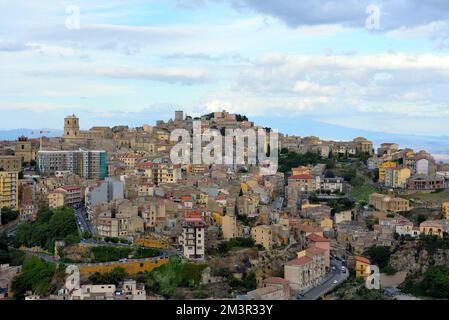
71	127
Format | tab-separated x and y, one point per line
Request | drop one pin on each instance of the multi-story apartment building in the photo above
89	164
332	184
65	196
107	226
130	160
56	199
304	182
307	270
10	163
192	238
383	168
160	173
9	189
105	191
397	177
229	226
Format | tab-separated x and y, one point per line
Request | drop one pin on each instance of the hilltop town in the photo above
105	214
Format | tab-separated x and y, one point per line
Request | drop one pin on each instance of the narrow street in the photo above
336	277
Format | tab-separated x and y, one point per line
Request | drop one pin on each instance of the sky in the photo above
372	65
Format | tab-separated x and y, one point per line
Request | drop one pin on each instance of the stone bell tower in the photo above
71	127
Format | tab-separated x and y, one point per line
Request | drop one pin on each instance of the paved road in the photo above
81	220
49	258
328	283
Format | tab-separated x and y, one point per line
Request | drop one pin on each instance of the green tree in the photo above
8	215
50	225
36	276
249	281
115	276
379	255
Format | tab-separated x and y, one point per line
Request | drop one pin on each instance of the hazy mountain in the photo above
438	146
30	133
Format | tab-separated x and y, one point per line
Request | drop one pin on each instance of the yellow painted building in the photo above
445	208
326	223
229	227
431	228
383	167
262	235
300	170
9	189
56	199
217	218
362	267
400	177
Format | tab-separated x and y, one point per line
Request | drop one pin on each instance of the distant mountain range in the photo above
30	133
438	146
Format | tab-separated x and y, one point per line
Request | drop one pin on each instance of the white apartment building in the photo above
193	239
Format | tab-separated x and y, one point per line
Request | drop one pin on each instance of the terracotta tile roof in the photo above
299	261
70	188
302	176
276	280
315	250
317	238
362	259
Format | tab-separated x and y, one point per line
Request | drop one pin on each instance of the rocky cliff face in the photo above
412	258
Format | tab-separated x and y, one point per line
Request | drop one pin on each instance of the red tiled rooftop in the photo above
70	188
362	259
299	261
315	250
317	238
302	176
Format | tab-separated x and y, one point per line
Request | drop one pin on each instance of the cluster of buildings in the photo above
406	169
130	189
325	148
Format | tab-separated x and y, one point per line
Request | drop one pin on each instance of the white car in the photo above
335	282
